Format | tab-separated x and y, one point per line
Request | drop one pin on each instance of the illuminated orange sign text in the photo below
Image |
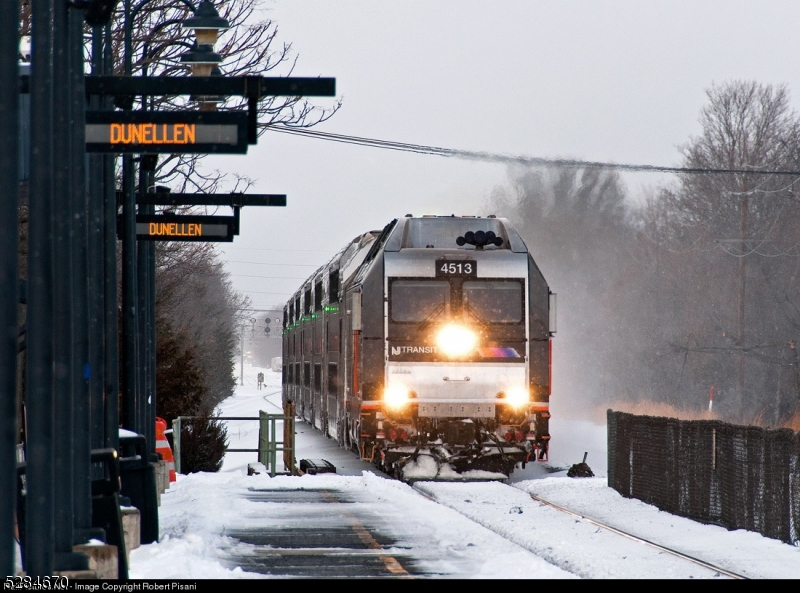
175	229
127	133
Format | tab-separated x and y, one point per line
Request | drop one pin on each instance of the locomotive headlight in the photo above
517	397
396	396
456	340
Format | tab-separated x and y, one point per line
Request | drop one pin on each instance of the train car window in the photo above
291	313
318	337
307	302
318	377
333	378
494	301
285	318
412	301
333	287
287	374
333	335
297	373
318	296
297	308
307	374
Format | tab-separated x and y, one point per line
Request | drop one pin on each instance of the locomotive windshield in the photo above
417	300
494	301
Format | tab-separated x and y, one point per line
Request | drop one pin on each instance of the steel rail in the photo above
642	540
625	534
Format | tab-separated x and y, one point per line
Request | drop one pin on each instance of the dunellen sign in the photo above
196	132
177	227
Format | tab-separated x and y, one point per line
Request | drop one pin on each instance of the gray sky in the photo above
619	81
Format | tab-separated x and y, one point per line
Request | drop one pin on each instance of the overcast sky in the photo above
619	81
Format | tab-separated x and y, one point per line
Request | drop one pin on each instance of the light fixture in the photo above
456	340
396	396
202	59
517	397
206	23
98	12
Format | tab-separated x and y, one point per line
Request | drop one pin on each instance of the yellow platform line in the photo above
391	563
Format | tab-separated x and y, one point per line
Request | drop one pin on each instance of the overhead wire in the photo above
521	159
258	263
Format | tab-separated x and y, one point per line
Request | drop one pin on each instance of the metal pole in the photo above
95	272
39	367
9	278
110	288
130	318
151	334
129	300
146	279
82	367
241	353
142	297
64	305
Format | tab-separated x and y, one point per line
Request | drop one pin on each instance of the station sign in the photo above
179	227
170	132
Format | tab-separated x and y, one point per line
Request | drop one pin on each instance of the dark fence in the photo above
738	477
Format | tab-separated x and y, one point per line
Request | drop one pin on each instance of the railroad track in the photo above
573	566
641	540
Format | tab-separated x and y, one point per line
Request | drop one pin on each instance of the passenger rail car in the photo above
430	338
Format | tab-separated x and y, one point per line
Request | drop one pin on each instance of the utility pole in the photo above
744	207
241	354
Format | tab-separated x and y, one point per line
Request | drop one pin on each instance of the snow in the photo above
425	467
477	530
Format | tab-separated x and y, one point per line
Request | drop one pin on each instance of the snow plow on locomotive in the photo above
425	348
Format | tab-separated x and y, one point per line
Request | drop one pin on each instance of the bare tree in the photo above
731	243
575	223
194	294
250	47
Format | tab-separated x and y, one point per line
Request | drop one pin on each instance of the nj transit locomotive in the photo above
426	341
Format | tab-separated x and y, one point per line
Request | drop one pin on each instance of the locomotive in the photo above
425	348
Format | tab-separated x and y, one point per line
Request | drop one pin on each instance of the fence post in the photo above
611	447
261	436
289	459
176	439
273	447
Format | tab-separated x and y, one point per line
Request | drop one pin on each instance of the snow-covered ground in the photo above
479	530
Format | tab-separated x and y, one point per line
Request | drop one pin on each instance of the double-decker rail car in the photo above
426	347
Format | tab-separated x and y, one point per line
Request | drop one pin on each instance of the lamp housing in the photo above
206	23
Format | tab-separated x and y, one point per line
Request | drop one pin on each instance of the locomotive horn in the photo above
479	239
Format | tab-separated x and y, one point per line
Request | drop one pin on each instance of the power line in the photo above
510	158
258	263
280	250
268	277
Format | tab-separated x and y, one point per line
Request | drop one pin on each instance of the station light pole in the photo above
139	330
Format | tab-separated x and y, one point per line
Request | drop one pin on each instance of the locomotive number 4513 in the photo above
446	267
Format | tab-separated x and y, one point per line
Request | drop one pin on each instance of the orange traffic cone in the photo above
162	446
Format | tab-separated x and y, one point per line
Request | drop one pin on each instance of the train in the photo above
426	348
